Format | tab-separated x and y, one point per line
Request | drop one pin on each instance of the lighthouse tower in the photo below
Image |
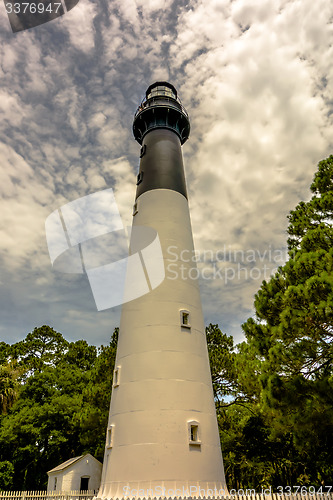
162	437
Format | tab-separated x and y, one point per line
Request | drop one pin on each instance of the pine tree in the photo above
293	332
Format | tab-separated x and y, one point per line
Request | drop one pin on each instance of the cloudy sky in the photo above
256	78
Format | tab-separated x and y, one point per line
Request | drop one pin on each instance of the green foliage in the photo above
222	362
5	351
42	347
273	392
61	406
9	387
96	399
6	475
293	335
315	215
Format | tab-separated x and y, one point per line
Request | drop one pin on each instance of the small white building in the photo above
79	474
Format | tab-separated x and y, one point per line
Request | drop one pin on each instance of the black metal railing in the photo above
161	101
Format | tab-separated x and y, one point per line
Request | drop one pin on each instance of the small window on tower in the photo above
194	433
139	178
116	376
143	150
135	209
185	319
109	436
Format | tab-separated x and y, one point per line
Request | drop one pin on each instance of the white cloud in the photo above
22	207
256	78
80	25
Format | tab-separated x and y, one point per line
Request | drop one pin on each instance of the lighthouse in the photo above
162	437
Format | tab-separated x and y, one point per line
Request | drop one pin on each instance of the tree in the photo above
62	405
247	452
96	399
315	214
5	353
9	387
222	364
293	332
233	382
6	475
42	347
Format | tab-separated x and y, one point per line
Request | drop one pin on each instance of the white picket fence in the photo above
47	495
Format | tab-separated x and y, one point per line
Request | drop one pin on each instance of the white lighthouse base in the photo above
166	490
162	437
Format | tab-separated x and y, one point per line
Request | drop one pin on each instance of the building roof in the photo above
72	461
66	464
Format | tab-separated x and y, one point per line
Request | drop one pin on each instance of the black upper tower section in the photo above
161	125
161	108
